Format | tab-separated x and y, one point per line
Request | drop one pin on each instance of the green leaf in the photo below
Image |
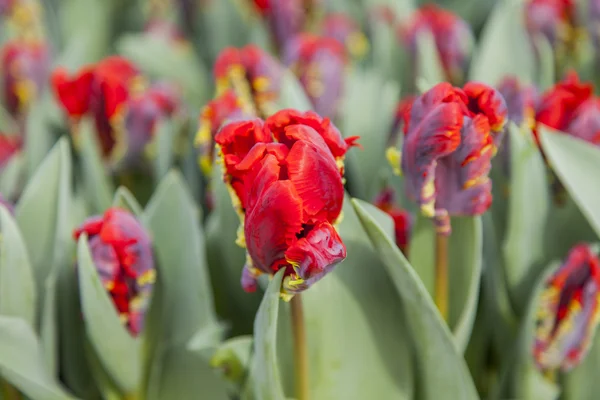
98	187
22	361
573	160
291	94
164	139
186	304
354	313
226	23
464	265
368	111
428	62
582	381
117	350
546	75
10	176
442	370
265	377
503	37
39	138
175	62
17	284
233	358
44	214
528	207
124	199
48	330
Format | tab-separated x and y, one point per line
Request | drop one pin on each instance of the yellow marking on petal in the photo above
26	91
222	85
428	209
475	182
394	157
123	318
138	85
241	238
109	286
147	278
261	84
357	44
205	163
203	135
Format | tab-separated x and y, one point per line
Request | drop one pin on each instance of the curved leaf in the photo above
443	371
125	199
291	94
11	175
116	349
428	64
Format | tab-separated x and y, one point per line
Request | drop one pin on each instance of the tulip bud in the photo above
347	32
319	65
567	312
24	73
122	254
286	180
453	38
402	218
101	91
553	19
450	139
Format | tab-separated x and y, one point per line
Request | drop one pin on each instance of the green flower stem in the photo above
441	274
300	349
9	392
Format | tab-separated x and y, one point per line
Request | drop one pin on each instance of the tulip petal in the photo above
74	93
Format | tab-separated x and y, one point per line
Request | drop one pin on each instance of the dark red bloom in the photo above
346	31
25	70
254	76
319	65
160	101
559	105
385	201
287	185
99	90
215	113
453	37
553	19
567	312
402	115
122	254
450	140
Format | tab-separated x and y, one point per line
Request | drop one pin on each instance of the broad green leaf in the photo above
39	137
529	382
573	160
368	111
43	214
22	361
18	296
165	60
226	23
264	376
528	207
353	313
48	329
504	47
124	199
164	139
428	63
11	175
292	93
546	75
442	370
98	187
117	350
464	269
233	358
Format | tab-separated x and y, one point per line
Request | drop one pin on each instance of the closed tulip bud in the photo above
253	75
286	179
450	140
24	66
319	64
122	254
100	91
453	38
567	312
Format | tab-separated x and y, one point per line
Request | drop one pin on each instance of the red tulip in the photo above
554	19
122	254
567	312
451	137
286	174
99	90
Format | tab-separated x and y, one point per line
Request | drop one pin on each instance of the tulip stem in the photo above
441	274
9	392
300	349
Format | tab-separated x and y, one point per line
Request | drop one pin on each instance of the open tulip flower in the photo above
286	175
568	312
122	253
450	139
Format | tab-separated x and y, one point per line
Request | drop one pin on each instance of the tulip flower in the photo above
99	90
122	254
347	32
553	19
402	218
143	111
286	179
215	113
253	75
285	18
319	65
453	38
450	139
24	66
567	312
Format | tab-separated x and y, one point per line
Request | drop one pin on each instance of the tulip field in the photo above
299	199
